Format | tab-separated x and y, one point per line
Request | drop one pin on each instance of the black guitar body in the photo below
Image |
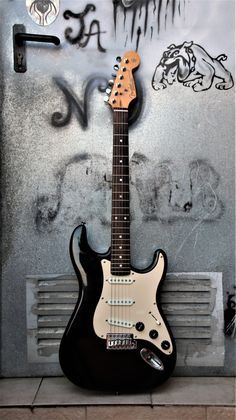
84	358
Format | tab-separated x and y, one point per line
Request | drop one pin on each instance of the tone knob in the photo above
165	345
153	334
139	326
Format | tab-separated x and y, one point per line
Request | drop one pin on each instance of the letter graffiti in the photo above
83	37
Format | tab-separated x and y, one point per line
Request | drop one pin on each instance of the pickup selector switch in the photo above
153	334
165	345
139	326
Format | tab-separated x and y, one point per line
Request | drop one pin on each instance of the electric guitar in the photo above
117	338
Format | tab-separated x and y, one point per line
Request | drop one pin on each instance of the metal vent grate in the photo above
192	303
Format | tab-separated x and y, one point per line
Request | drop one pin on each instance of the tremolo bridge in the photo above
117	341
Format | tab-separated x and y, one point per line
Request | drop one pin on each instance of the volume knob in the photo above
153	334
139	326
165	345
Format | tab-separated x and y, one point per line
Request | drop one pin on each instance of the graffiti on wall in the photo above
80	107
43	12
146	16
191	65
83	36
166	198
75	105
230	315
161	195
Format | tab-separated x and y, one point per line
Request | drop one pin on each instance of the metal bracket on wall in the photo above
19	45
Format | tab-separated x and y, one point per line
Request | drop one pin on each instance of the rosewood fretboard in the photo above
120	225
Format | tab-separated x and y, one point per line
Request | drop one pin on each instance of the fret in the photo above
121	239
122	228
120	110
124	255
121	177
117	249
120	215
121	248
121	253
122	265
120	123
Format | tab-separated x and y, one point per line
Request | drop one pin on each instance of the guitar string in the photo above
120	188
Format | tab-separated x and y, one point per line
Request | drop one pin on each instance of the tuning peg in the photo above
110	82
116	67
108	91
113	75
118	59
106	99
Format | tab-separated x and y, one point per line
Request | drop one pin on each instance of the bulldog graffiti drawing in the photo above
191	65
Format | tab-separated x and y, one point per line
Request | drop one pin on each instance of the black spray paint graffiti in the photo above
230	315
74	104
80	107
160	11
161	197
64	204
83	37
191	65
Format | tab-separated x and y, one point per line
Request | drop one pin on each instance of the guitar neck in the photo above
120	223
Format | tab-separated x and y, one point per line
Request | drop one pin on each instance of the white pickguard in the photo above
127	300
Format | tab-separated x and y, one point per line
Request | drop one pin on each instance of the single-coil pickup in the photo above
120	302
117	280
120	323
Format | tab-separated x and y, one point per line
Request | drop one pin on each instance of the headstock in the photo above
122	90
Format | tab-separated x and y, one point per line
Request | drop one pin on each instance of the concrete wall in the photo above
57	145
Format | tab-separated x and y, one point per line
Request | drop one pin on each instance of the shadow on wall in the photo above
161	196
